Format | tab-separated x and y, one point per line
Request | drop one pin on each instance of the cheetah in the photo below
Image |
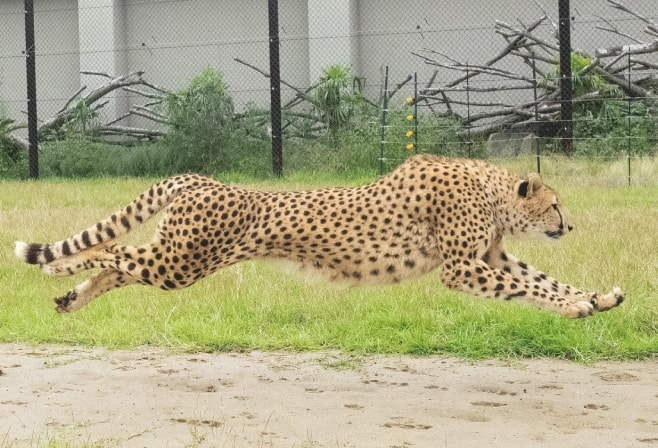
428	212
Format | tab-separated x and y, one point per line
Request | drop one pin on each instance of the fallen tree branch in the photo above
643	48
538	53
652	27
90	98
299	91
70	100
94	100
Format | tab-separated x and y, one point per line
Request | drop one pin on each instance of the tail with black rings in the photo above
120	223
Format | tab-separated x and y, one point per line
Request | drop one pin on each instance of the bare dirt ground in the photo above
148	398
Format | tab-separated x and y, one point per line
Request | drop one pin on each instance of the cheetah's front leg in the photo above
497	258
477	278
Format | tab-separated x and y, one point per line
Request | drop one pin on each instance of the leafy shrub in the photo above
584	83
79	158
13	158
337	96
601	126
201	120
610	129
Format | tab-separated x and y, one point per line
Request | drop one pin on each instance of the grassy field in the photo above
255	306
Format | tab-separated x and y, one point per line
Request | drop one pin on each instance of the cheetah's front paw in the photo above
610	300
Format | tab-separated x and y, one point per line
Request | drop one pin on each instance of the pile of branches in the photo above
81	111
542	114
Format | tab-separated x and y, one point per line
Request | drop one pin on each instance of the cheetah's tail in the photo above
138	211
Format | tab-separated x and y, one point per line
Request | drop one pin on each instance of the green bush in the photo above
78	157
605	133
13	158
337	97
207	136
201	119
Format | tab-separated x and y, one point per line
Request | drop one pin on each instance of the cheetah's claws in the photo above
612	299
64	302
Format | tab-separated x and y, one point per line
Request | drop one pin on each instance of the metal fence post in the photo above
31	80
566	88
382	141
628	129
275	88
536	110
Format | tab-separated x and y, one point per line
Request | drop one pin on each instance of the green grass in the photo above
255	305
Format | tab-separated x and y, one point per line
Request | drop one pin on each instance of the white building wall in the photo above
101	34
56	36
172	41
332	35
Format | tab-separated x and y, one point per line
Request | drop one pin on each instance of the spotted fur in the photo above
427	213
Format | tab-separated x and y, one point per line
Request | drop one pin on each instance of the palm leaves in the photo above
337	95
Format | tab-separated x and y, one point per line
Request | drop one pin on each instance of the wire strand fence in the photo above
378	78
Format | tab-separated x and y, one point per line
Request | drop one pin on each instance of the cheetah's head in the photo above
541	210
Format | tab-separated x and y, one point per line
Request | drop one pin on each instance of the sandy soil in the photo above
147	398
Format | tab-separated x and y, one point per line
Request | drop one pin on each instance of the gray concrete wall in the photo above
390	30
332	35
56	36
173	41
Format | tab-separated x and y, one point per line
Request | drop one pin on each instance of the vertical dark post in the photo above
415	112
630	148
468	112
384	125
566	94
275	88
31	77
534	92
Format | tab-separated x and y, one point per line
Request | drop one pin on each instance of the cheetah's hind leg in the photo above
88	290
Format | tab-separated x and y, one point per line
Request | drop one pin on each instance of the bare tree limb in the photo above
631	89
504	52
300	92
475	69
71	99
19	141
650	47
95	73
652	27
157	96
148	114
130	131
613	29
90	98
399	86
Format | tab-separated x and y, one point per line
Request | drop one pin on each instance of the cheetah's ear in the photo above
528	186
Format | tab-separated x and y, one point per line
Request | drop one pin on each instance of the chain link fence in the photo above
470	78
